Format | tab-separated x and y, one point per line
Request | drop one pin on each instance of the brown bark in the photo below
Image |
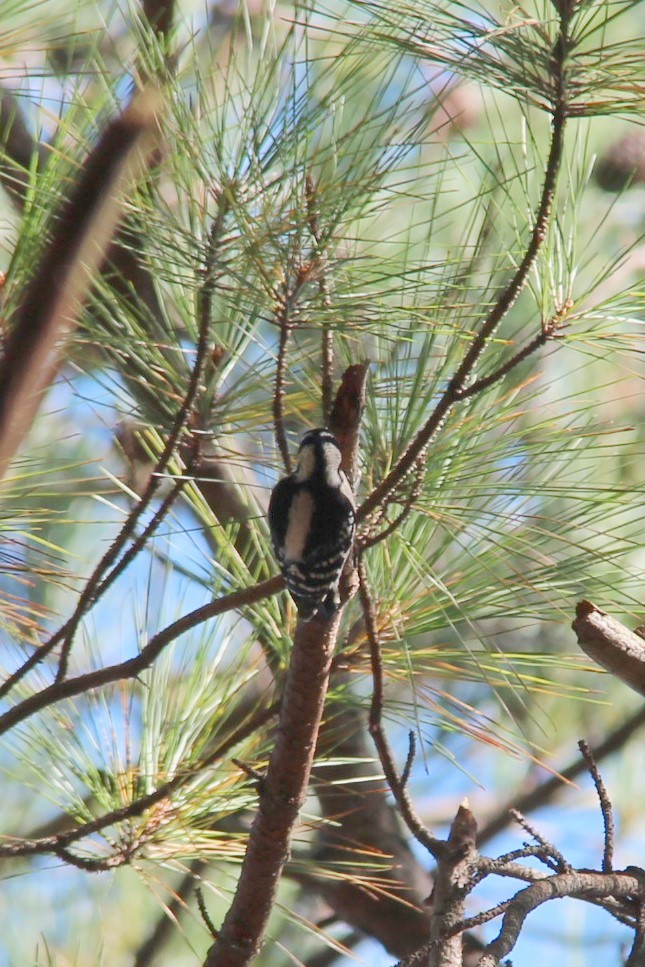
611	644
282	794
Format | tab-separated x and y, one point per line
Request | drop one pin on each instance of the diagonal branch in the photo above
133	667
543	793
98	584
459	381
66	268
54	843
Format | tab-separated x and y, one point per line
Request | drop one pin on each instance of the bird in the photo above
313	522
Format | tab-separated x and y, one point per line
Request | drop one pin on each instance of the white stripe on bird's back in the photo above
300	514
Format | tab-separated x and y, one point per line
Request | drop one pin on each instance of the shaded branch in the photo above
66	268
545	791
160	15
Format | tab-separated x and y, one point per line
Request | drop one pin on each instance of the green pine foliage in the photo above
532	495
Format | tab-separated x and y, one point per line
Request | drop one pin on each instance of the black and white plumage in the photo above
312	522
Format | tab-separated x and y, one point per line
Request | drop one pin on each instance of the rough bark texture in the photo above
453	872
282	794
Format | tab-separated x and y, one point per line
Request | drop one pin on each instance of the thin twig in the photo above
435	847
93	864
458	383
605	806
133	667
419	472
201	903
279	392
409	762
548	331
550	854
286	318
96	585
53	844
545	791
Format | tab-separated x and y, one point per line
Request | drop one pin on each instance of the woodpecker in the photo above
312	523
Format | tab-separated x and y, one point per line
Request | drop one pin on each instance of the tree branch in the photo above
544	792
435	847
282	795
458	383
54	843
132	667
583	885
65	272
611	645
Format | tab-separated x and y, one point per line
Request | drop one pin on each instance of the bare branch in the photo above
610	644
605	806
435	847
454	870
547	852
204	912
584	885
